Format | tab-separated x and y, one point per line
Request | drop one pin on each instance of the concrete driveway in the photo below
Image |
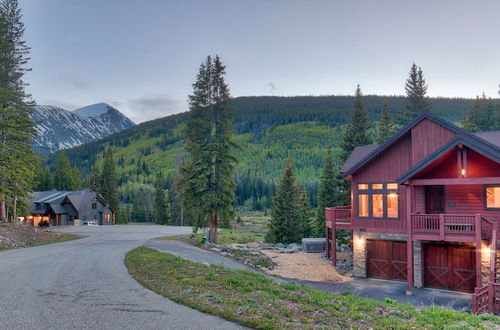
84	284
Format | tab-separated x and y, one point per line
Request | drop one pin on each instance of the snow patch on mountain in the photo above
61	129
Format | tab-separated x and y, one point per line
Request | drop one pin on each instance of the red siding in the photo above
468	199
427	137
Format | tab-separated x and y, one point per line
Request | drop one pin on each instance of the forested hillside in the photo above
267	128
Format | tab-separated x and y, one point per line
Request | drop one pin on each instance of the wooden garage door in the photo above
386	260
450	267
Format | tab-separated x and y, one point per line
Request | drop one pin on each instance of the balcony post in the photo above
327	238
478	250
441	226
409	241
334	241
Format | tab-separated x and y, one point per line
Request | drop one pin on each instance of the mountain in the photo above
61	129
267	128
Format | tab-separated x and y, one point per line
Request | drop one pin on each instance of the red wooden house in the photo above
424	208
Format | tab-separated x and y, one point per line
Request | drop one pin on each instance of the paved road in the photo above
83	284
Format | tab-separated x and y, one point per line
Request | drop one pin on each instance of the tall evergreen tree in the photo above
416	89
290	214
109	185
327	195
385	127
357	132
208	174
94	180
17	158
160	205
66	178
481	116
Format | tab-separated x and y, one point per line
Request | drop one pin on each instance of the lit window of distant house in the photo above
107	218
493	197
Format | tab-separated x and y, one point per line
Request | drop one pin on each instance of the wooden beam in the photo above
430	182
479	275
409	241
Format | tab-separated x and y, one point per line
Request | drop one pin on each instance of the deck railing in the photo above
342	214
463	224
480	300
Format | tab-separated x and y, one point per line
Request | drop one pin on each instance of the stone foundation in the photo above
418	280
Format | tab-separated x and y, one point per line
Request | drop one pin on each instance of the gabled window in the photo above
378	200
94	206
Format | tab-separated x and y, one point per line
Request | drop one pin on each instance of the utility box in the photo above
313	245
76	223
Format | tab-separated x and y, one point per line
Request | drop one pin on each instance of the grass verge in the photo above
58	239
225	236
253	300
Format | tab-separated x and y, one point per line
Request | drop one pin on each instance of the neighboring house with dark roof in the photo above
59	208
425	207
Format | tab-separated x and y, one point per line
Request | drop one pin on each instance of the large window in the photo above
378	200
493	197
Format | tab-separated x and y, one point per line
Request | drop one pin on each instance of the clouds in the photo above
153	106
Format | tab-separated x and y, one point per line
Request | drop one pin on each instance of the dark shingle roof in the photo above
356	155
492	137
80	198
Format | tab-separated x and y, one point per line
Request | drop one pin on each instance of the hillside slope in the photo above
266	127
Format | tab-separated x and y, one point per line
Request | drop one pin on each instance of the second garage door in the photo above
451	267
386	260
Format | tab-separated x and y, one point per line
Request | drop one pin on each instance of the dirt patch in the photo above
14	235
303	266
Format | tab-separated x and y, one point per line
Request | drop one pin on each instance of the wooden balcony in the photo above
451	227
339	217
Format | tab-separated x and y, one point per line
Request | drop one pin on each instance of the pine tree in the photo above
290	213
385	127
208	183
109	185
94	179
160	206
327	195
416	89
43	179
481	116
357	132
66	178
17	158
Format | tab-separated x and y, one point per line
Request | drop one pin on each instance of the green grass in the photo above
58	239
253	300
225	236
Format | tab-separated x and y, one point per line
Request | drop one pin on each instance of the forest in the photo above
267	128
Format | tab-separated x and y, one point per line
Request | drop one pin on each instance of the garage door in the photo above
450	267
386	260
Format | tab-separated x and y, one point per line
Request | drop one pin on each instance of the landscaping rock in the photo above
292	248
252	245
279	245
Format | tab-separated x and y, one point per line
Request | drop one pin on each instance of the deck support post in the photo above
327	236
334	239
409	241
478	250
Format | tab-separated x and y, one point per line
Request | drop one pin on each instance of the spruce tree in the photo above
109	185
208	183
94	180
160	205
385	128
481	116
416	89
357	132
290	212
66	178
327	194
17	158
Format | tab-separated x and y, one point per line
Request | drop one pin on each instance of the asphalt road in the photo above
84	284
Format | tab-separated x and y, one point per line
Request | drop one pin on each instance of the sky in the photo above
142	56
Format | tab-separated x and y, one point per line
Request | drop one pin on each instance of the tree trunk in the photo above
14	211
213	229
3	213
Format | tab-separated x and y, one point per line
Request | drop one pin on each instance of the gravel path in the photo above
83	284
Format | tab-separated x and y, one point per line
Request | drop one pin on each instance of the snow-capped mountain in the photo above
61	129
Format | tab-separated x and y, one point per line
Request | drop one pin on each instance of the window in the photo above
363	205
94	206
107	218
493	197
378	200
378	205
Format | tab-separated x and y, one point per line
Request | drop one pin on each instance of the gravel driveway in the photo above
83	284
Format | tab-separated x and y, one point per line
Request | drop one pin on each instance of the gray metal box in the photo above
313	245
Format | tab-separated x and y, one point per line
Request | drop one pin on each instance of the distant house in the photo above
59	208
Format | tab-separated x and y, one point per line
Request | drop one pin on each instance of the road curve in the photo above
84	284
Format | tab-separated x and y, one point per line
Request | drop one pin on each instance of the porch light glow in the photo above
392	195
463	172
487	250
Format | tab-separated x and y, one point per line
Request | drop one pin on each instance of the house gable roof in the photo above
478	145
461	133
